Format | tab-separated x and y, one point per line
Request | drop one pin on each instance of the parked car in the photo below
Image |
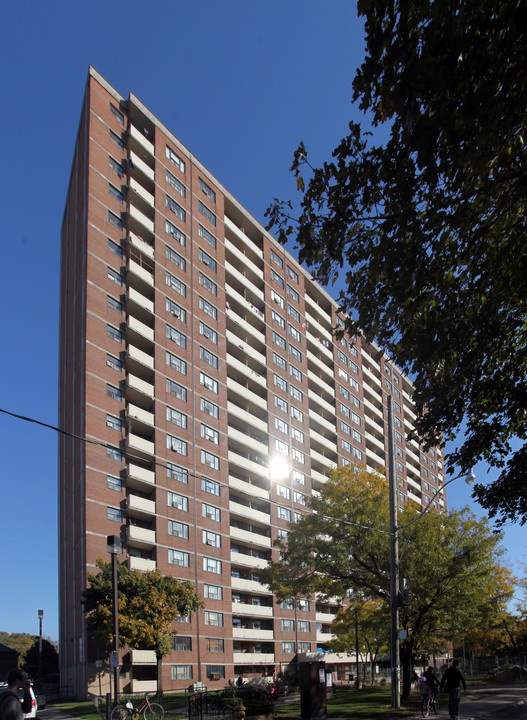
34	705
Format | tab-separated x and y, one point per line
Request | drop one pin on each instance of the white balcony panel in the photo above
140	299
242	259
143	686
139	414
140	473
323	637
376	460
250	537
135	442
318	476
320	347
250	329
249	513
242	236
141	139
327	657
253	658
316	307
323	441
248	488
372	426
415	498
251	420
321	382
379	446
247	560
370	378
244	280
141	272
251	396
141	165
142	564
243	462
140	385
140	328
330	427
326	334
248	349
233	294
247	585
141	535
318	399
246	439
322	459
142	505
251	634
141	357
252	610
245	369
136	187
326	618
140	217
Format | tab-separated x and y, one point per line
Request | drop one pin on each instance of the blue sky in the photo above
240	83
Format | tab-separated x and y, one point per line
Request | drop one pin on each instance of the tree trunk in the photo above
406	668
160	675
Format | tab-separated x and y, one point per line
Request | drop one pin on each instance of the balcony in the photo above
248	465
142	686
249	330
141	272
373	380
141	564
244	280
250	419
315	398
248	487
252	610
140	416
133	353
248	513
243	344
138	391
251	634
140	537
245	438
142	194
136	327
322	440
247	585
320	330
243	260
321	384
144	306
138	444
253	658
320	348
239	558
139	244
244	392
243	237
141	165
250	537
246	370
324	316
326	462
234	295
140	218
139	477
140	507
142	657
138	139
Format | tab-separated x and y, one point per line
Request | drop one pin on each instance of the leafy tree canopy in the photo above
429	227
49	659
448	559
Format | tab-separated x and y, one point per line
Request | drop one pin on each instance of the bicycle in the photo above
150	711
428	702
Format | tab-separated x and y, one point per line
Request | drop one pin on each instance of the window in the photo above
210	486
173	157
295	353
297	435
344	392
287	604
175	233
208	308
114	483
117	139
181	672
213	618
292	274
400	466
207	259
284	513
303	605
208	382
277	259
214	645
356	419
288	648
208	284
281	425
283	491
115	220
279	340
292	293
116	167
278	299
280	403
355	401
118	115
176	258
304	626
181	643
177	390
346	429
356	435
175	183
280	382
176	310
293	312
304	647
209	192
173	282
299	478
397	406
211	512
175	500
114	514
209	407
211	538
212	592
204	210
295	372
177	557
354	367
176	445
299	498
208	357
343	374
176	417
354	384
176	336
113	392
176	363
297	414
275	277
282	447
115	277
298	455
207	236
175	472
177	529
345	410
342	357
209	434
113	422
296	393
208	333
114	304
287	625
295	334
114	454
212	565
115	193
114	248
282	534
278	319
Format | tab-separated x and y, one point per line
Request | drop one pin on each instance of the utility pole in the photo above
394	562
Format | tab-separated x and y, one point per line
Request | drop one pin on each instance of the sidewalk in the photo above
491	702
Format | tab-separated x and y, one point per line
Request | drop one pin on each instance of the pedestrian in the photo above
432	681
451	683
10	706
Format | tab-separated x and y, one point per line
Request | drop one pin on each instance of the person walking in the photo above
451	682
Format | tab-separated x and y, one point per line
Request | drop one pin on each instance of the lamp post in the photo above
114	548
394	551
40	618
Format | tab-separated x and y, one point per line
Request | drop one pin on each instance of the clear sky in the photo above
240	83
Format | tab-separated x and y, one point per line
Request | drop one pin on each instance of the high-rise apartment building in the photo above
198	356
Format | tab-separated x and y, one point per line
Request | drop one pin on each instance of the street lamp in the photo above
114	548
40	618
394	551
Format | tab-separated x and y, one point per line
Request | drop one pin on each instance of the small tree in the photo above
149	603
49	659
